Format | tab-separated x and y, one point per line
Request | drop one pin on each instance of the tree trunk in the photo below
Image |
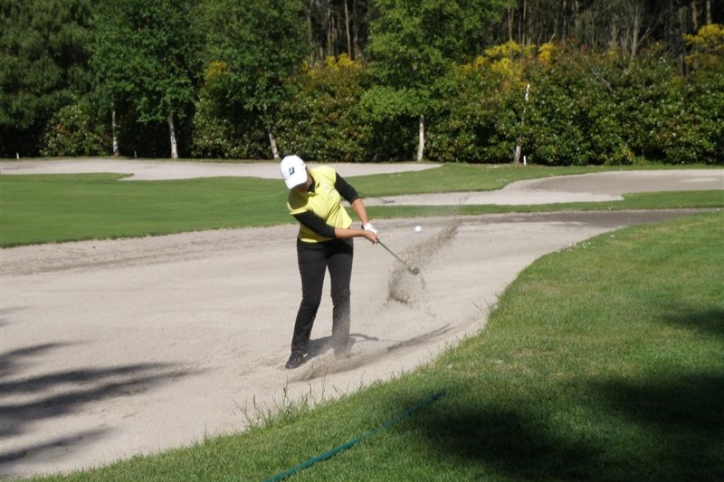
331	34
709	18
681	57
350	52
421	145
510	24
578	25
694	16
273	144
114	134
635	36
524	22
518	149
639	29
172	134
614	33
310	34
356	19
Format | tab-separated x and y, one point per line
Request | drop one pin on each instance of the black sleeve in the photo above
315	223
345	189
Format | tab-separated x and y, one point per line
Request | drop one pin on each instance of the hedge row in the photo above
581	109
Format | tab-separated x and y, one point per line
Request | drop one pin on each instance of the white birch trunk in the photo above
421	145
273	144
114	134
518	149
172	134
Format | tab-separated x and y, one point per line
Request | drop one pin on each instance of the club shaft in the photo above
393	254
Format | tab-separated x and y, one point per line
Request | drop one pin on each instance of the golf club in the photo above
411	269
384	201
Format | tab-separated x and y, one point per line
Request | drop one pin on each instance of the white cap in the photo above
294	171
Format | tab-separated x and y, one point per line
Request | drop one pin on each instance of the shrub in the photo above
556	132
223	132
481	119
324	120
703	136
606	109
72	131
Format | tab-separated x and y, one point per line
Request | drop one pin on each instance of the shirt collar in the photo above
312	185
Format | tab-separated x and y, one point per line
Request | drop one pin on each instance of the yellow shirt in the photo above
324	201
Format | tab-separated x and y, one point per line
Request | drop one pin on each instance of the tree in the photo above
146	60
336	27
413	45
601	24
255	46
43	52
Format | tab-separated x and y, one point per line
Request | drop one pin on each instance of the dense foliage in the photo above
561	83
44	49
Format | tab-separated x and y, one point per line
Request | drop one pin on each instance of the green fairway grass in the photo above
603	362
57	208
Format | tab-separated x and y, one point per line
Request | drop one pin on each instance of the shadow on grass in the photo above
707	322
683	414
30	399
667	429
512	444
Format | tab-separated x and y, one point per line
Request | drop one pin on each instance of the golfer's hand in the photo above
369	227
371	235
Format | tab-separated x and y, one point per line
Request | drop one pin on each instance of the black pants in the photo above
314	259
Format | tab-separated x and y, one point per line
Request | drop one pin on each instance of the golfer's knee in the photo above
341	297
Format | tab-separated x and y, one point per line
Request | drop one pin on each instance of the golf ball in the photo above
418	229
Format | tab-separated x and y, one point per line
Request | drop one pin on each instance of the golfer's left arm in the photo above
358	206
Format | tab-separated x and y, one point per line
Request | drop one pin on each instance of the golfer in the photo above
324	243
